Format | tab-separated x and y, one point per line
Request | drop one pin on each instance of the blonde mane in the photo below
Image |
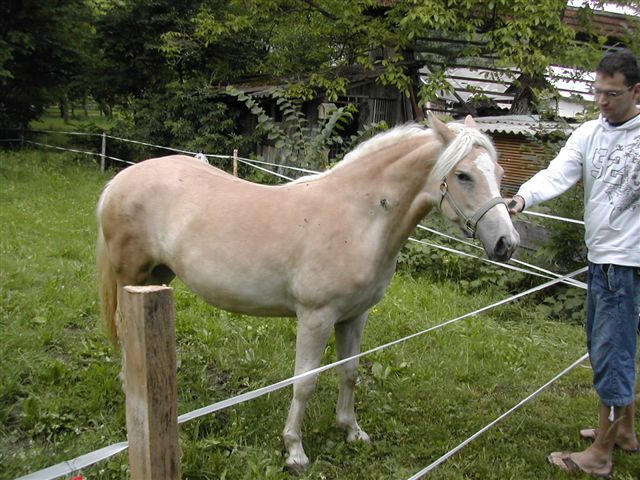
376	143
383	140
466	139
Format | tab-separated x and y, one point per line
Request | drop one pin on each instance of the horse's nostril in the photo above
501	248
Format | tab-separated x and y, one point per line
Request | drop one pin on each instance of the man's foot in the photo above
628	446
568	462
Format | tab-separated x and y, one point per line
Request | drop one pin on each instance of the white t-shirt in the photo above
607	159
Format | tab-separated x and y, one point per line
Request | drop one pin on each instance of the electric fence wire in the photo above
89	459
96	456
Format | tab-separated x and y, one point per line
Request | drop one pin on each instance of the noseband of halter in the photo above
470	224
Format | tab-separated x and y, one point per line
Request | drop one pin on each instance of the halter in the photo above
470	224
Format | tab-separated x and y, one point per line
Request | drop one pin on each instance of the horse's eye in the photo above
463	177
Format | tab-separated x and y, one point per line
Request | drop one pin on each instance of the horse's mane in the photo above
383	140
376	143
465	140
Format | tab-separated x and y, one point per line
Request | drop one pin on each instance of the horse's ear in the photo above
441	129
470	122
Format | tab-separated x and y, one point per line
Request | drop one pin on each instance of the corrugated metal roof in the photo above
521	125
496	85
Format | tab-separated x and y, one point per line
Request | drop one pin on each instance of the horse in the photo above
322	248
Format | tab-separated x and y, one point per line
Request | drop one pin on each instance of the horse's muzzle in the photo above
504	248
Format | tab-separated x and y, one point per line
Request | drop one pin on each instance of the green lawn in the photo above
60	395
52	120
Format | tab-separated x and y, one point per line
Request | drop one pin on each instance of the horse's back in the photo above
159	185
168	170
203	224
145	203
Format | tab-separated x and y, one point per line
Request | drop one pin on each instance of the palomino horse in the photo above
322	248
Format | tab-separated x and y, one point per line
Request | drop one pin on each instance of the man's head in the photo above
617	86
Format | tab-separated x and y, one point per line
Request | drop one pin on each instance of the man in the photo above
605	155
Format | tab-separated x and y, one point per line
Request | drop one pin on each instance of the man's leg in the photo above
613	309
598	458
612	326
626	437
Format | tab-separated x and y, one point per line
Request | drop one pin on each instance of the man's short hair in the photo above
622	61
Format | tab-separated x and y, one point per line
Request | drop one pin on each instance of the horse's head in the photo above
469	177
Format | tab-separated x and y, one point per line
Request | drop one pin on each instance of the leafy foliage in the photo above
441	265
119	50
187	118
43	56
298	144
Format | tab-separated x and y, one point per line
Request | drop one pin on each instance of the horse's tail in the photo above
107	285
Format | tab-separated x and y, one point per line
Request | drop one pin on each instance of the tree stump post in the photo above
148	342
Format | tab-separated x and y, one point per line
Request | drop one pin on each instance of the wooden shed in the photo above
519	140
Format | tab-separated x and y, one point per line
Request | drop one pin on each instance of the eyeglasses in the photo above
609	93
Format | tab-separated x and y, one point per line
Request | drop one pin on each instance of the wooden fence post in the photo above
103	152
148	342
235	162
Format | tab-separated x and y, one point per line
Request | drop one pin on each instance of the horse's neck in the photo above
395	179
416	198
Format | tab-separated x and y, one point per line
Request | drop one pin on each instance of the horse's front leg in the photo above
348	338
313	333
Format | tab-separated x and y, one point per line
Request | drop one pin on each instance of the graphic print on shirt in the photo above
599	162
621	172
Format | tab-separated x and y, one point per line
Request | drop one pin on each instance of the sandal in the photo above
564	461
590	434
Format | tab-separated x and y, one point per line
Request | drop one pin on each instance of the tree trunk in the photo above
64	108
525	101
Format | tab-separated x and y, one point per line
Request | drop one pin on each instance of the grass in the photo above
51	120
52	130
60	395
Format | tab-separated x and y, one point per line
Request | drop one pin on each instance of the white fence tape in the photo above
71	466
453	451
553	217
84	461
67	467
77	151
549	274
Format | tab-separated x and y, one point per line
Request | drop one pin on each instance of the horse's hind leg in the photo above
313	333
348	338
131	266
161	275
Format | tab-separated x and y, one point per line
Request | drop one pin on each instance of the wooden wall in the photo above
520	158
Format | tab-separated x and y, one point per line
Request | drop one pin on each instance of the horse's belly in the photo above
247	296
249	306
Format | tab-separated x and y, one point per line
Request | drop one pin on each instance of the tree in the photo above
126	51
155	51
128	37
321	43
41	55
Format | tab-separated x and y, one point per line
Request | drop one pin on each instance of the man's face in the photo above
615	99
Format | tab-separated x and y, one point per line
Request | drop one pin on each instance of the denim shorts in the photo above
613	322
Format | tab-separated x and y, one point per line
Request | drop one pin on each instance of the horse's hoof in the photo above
296	464
294	469
358	435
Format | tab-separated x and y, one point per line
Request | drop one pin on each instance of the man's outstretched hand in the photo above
515	204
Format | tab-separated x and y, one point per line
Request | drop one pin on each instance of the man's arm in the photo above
563	172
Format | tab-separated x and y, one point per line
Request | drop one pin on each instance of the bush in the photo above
563	252
184	118
440	265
